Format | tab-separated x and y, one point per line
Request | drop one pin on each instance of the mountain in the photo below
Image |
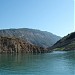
35	37
66	43
15	45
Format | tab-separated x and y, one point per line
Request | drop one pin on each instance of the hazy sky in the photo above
56	16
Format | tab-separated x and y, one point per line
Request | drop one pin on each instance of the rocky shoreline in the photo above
15	45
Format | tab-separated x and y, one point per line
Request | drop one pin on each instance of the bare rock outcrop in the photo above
15	45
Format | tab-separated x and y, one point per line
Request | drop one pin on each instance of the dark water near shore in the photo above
55	63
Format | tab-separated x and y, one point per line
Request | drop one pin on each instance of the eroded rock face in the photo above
15	45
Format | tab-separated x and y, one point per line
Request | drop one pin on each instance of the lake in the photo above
54	63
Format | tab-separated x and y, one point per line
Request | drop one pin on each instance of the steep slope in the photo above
66	43
36	37
10	45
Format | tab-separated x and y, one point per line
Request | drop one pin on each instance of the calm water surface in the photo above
55	63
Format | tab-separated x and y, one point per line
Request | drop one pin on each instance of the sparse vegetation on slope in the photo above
66	43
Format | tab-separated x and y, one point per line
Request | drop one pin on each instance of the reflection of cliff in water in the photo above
34	62
14	61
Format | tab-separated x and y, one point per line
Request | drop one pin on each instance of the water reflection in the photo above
56	63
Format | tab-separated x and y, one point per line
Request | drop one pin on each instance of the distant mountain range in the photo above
34	41
32	36
66	43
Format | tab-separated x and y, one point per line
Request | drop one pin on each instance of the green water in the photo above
55	63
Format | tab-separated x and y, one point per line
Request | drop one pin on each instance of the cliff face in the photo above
36	37
66	43
15	45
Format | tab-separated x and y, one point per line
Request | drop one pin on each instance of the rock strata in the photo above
15	45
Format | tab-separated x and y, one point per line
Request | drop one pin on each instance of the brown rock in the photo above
15	45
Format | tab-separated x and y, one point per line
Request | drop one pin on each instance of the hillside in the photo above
15	45
36	37
66	43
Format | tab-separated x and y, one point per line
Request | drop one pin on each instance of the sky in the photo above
55	16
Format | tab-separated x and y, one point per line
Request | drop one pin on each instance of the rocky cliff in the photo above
36	37
15	45
66	43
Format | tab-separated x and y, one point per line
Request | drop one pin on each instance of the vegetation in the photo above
66	43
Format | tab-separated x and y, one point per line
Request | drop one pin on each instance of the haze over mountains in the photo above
32	36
